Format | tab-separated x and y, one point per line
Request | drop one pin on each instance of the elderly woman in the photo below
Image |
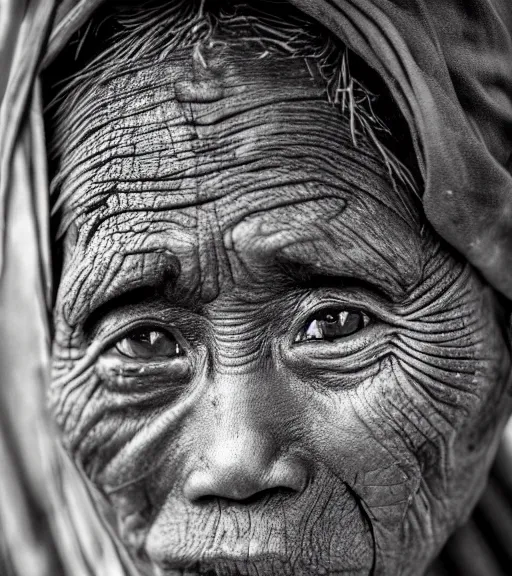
282	246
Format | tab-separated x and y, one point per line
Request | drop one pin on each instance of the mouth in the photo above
290	538
222	564
251	565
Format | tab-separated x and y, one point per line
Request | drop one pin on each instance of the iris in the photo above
146	343
332	323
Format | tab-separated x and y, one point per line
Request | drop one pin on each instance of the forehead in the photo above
180	132
223	150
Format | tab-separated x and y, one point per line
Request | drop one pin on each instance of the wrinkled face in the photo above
261	360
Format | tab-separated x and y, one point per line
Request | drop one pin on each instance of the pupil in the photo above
329	316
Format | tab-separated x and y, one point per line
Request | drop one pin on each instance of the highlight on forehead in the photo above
126	35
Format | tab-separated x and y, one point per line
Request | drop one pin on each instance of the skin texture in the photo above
221	201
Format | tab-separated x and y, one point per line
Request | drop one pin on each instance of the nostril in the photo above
245	473
268	494
245	484
263	496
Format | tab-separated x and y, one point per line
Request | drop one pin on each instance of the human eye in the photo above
147	358
336	337
148	343
332	323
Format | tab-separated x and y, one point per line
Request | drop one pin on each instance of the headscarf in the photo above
448	66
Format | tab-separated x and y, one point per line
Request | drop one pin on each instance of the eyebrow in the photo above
296	275
131	297
304	276
133	283
126	288
164	279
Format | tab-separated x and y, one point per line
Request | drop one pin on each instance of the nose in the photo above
246	455
241	473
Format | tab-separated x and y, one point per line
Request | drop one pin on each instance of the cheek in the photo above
411	442
139	454
416	439
128	445
362	435
115	435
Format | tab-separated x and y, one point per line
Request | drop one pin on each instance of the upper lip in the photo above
211	558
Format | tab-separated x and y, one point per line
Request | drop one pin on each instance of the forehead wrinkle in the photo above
232	181
229	184
328	236
267	202
289	220
185	163
189	155
106	268
112	113
120	96
174	147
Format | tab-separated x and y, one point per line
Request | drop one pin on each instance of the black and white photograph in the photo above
255	287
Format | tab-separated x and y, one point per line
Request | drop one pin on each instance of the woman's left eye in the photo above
331	324
149	344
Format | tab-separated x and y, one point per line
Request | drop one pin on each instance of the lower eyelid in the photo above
369	339
124	373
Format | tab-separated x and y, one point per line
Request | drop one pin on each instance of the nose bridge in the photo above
239	345
245	416
243	444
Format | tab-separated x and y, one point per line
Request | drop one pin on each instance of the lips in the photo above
321	531
253	566
220	564
243	558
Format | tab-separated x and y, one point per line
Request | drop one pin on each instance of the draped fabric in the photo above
448	65
48	523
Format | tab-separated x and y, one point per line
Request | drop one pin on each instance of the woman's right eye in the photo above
149	344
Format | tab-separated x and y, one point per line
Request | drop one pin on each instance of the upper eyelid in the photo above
144	299
169	319
371	320
124	329
159	313
131	298
170	335
311	317
343	308
316	300
148	328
